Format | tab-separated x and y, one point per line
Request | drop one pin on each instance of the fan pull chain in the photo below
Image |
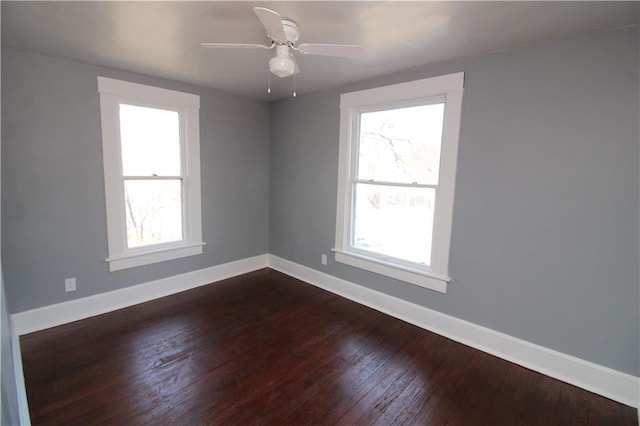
268	81
294	85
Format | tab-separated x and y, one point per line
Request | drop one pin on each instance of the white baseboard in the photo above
604	381
74	310
21	390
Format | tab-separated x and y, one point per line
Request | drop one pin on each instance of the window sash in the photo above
183	211
423	141
182	147
154	177
157	107
398	184
416	266
354	181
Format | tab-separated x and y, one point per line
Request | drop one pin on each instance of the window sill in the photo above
413	276
131	260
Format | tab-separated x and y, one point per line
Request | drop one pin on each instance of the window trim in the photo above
112	93
450	87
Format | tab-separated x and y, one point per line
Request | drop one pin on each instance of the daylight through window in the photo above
152	183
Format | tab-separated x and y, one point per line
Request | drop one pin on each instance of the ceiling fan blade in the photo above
342	50
272	23
234	46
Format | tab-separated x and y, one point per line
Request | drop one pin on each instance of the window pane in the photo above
401	145
154	211
150	140
394	221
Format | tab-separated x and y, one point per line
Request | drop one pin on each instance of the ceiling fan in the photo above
284	34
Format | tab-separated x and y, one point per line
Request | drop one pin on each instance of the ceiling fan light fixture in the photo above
282	66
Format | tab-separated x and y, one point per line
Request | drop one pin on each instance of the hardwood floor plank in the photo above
408	362
370	391
328	390
342	405
266	349
357	351
301	360
501	410
450	377
471	408
409	403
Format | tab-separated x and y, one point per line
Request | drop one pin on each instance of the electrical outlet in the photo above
70	284
323	259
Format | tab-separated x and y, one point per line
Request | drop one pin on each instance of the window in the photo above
398	149
151	149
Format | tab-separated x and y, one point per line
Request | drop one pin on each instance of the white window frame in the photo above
112	94
448	87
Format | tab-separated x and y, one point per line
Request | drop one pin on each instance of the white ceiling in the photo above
163	38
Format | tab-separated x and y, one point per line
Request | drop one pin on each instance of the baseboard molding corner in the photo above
601	380
61	313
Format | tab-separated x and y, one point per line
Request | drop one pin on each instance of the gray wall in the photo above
53	208
10	414
545	228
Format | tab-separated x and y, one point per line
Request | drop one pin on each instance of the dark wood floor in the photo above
264	348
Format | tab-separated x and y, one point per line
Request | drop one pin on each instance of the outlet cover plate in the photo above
70	284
